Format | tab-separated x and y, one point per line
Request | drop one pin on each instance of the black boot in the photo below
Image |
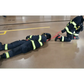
75	37
1	46
57	37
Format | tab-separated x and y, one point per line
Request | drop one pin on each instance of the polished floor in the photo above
25	19
52	54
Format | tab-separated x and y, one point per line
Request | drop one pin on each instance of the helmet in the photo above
47	35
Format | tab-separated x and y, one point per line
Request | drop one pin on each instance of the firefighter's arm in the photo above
63	30
80	29
35	37
28	37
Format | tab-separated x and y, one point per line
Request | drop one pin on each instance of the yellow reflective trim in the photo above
68	24
7	55
34	47
75	27
78	26
41	43
39	40
68	30
40	37
30	36
72	22
62	38
76	34
6	46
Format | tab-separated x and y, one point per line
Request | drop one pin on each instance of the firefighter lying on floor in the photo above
73	28
32	42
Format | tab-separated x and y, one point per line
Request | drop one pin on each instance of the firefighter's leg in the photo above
11	53
11	45
76	34
18	50
67	38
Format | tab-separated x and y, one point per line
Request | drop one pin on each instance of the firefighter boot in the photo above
57	37
75	37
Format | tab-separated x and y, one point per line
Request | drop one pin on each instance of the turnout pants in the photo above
69	37
17	47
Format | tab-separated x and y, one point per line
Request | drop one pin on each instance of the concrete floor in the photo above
52	54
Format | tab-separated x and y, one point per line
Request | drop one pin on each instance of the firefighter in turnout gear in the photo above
73	28
32	42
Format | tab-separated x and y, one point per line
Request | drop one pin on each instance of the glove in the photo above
63	30
80	29
27	37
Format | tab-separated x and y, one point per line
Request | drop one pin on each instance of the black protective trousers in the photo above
18	47
68	36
